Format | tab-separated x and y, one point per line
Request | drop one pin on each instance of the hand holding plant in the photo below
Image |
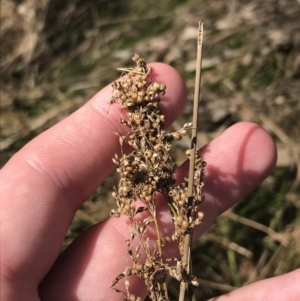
44	184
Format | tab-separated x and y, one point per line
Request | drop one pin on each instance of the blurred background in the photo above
56	54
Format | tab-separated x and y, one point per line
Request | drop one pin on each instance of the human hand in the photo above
44	184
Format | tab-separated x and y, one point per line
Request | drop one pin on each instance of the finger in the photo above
51	176
285	287
237	161
88	267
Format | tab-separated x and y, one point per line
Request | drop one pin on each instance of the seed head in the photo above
145	173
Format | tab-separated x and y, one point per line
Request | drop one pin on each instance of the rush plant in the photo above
146	177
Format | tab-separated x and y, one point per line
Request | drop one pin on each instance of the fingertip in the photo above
283	287
254	147
176	94
237	161
171	104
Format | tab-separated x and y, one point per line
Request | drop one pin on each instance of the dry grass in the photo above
55	54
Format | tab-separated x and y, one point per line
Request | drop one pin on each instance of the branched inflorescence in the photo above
146	171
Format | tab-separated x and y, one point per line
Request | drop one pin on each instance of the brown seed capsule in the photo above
138	266
162	118
179	219
134	95
155	85
112	101
116	85
129	82
125	85
183	132
123	121
153	160
162	87
140	84
139	99
126	188
137	117
150	189
155	155
129	102
141	229
118	94
181	203
176	197
188	125
148	264
200	215
129	168
123	200
148	153
127	208
156	147
135	57
176	136
138	122
185	225
188	152
141	93
148	199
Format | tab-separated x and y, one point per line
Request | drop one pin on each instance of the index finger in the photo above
51	176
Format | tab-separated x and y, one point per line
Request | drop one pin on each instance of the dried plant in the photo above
147	171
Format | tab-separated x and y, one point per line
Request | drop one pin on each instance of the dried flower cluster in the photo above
146	171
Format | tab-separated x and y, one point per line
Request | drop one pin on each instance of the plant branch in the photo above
159	245
186	260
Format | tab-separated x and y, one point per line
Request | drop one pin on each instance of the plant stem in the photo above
186	259
159	244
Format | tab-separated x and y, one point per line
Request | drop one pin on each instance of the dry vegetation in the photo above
55	54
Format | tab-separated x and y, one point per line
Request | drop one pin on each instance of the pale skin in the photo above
43	185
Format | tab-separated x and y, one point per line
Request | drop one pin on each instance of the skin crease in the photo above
43	185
